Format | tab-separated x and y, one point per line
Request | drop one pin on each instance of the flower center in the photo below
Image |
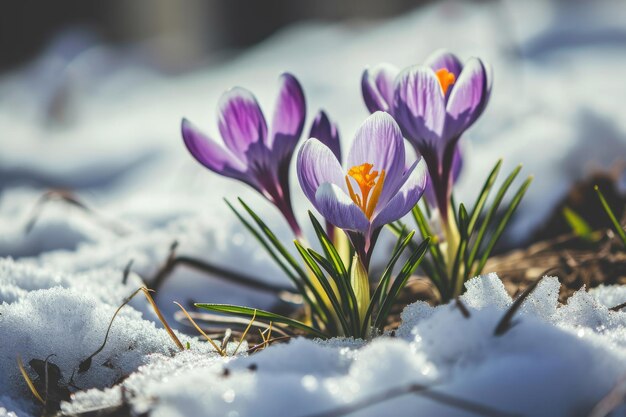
446	79
370	184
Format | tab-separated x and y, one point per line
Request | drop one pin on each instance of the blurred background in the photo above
178	34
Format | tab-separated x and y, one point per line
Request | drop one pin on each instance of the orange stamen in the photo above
368	181
446	79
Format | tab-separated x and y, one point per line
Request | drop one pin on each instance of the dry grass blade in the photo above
217	348
267	343
507	320
86	363
29	381
169	330
417	389
243	336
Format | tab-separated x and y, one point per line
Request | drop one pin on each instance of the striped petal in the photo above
317	165
468	98
213	156
288	119
377	87
337	207
406	197
241	121
326	131
419	108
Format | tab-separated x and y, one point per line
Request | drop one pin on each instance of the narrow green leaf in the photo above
290	273
502	225
383	284
260	314
295	274
273	239
325	285
578	225
482	197
490	215
618	228
335	259
400	281
457	277
344	296
328	247
435	251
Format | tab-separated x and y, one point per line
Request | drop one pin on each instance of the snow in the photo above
99	123
550	353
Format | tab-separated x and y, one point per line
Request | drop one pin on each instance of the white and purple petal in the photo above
241	121
316	165
288	118
405	198
468	98
419	107
327	133
213	156
377	87
339	209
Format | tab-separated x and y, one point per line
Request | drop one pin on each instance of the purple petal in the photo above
317	165
377	87
468	98
339	209
379	142
327	133
241	121
406	198
288	119
213	156
419	108
444	59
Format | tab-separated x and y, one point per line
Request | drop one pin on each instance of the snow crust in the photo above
574	353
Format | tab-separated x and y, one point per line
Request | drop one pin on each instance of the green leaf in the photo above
502	225
434	249
337	263
618	228
260	314
273	239
578	225
336	305
285	267
482	197
291	269
381	290
400	282
490	216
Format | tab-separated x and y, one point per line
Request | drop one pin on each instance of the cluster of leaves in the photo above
479	232
327	284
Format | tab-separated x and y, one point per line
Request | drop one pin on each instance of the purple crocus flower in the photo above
374	189
252	154
326	132
433	104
